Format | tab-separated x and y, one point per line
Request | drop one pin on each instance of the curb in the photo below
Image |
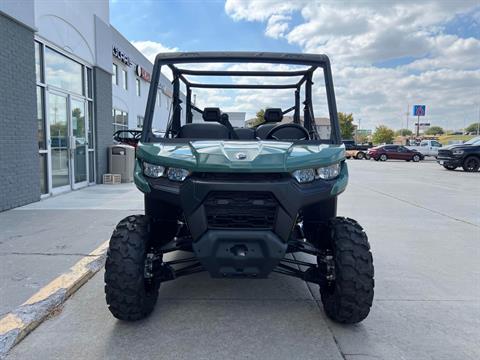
21	321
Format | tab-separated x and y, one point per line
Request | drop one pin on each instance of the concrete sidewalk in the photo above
42	240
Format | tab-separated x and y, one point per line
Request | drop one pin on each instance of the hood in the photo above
456	146
250	156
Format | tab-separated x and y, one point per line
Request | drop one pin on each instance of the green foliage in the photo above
259	118
347	128
472	128
382	135
434	130
403	132
362	139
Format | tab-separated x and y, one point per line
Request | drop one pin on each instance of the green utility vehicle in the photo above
243	202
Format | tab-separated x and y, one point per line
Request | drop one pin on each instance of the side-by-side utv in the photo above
244	202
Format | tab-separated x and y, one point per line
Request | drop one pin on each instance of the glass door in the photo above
58	116
68	129
78	143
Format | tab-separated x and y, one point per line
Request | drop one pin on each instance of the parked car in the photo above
466	155
427	147
352	145
397	152
357	154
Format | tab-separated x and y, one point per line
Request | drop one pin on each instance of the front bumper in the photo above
449	161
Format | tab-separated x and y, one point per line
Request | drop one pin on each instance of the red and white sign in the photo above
141	72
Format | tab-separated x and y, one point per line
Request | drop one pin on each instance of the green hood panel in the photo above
221	156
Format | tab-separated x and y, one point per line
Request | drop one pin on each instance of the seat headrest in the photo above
273	115
204	131
212	114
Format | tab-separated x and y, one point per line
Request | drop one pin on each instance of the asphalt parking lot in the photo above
424	228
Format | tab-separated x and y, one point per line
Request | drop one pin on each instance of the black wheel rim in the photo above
472	164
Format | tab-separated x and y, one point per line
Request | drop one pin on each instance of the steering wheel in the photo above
302	132
128	137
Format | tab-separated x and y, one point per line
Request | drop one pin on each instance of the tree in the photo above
259	118
404	132
473	128
434	130
347	129
362	139
382	135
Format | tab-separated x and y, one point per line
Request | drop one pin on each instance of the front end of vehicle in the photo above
246	199
451	157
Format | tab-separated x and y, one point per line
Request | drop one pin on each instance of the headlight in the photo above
153	171
457	152
177	174
329	172
304	175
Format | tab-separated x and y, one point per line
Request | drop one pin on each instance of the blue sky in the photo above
198	26
385	55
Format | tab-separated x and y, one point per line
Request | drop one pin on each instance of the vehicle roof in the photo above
242	56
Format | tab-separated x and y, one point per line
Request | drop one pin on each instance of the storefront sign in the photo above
120	55
141	72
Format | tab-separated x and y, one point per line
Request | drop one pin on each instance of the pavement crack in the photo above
419	206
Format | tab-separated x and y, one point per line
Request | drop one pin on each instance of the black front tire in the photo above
130	296
471	164
349	297
360	156
383	157
416	158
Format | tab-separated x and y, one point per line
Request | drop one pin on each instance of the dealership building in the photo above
68	80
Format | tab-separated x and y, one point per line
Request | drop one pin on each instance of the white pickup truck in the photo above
427	147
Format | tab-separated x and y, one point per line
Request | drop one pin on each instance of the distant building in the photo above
236	118
322	124
364	132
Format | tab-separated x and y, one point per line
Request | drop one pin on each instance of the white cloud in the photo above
277	26
443	72
150	49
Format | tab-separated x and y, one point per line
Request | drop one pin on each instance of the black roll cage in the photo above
314	61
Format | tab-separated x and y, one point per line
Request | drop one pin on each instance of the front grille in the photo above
240	210
444	152
242	176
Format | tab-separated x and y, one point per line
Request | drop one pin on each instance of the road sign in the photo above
423	126
419	110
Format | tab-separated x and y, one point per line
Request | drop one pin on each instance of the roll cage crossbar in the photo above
311	60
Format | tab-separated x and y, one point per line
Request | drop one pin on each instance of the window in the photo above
115	74
63	72
137	86
159	98
120	120
125	79
139	121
